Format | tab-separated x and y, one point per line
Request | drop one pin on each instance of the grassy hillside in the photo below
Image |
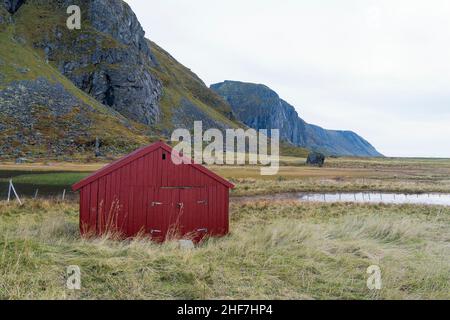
44	115
180	83
20	62
37	19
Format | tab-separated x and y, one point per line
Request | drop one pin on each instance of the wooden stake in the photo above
9	190
14	190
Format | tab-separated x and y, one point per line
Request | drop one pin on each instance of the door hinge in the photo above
155	231
156	204
205	230
202	202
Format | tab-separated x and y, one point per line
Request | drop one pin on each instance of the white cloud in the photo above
379	68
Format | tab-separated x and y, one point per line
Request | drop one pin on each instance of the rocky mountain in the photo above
260	107
60	89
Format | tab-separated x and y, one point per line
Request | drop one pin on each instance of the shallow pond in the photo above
388	198
52	185
29	184
366	197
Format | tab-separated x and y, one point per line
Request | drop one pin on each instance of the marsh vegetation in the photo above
338	175
278	249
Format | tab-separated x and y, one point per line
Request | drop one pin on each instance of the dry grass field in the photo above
278	250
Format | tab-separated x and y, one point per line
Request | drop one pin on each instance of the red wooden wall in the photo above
153	196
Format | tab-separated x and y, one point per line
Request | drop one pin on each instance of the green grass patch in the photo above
50	179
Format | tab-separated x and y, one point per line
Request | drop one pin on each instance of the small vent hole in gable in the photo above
164	156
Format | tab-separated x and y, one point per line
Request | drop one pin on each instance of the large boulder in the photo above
3	17
316	159
13	5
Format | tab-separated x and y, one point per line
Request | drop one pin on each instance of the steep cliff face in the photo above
338	142
108	58
60	89
260	107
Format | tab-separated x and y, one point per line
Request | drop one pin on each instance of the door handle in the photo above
156	204
205	230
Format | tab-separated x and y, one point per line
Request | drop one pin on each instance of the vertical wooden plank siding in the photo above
146	193
93	205
85	195
101	203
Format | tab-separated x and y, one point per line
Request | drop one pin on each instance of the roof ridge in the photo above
140	153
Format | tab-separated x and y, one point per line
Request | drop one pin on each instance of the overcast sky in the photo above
379	68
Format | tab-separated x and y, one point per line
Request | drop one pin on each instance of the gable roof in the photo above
140	153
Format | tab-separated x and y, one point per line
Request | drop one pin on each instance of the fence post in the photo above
9	190
64	195
14	190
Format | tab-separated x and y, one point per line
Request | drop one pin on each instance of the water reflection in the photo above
372	197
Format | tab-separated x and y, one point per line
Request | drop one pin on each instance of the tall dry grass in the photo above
276	250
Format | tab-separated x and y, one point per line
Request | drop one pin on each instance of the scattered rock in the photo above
97	148
186	244
315	159
21	160
23	70
187	112
38	112
13	5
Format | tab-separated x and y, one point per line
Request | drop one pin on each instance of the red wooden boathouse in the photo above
145	192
